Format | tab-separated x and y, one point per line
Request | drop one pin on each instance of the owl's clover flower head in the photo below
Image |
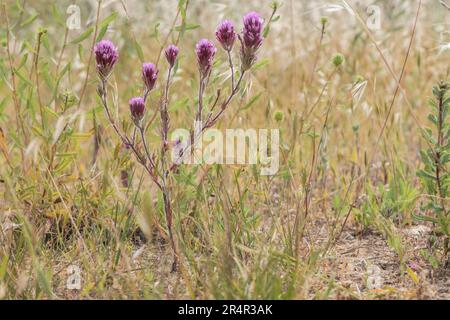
252	39
225	35
205	51
149	75
171	53
253	27
106	55
137	108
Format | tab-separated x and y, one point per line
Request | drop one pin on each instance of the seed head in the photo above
278	116
338	59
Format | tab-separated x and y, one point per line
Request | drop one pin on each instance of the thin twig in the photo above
125	140
413	32
35	64
210	122
94	39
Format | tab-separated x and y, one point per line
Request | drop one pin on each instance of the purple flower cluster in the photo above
106	56
225	35
251	39
205	51
149	75
171	54
252	33
137	108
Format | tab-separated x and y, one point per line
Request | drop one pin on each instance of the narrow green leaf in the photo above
30	20
139	51
83	36
251	102
187	27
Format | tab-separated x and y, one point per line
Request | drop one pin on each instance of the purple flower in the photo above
149	75
225	34
171	54
252	39
106	55
253	26
137	108
205	51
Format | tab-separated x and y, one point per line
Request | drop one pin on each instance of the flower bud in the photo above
171	54
137	108
149	75
278	116
338	59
